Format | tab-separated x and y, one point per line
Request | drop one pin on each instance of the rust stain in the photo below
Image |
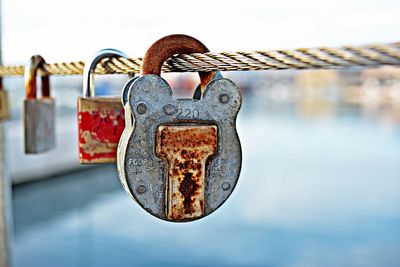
186	149
188	188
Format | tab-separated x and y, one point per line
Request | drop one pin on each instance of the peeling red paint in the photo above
99	131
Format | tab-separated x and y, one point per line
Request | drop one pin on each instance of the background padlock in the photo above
183	157
39	113
100	119
4	102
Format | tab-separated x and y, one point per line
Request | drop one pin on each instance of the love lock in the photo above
182	158
39	112
100	119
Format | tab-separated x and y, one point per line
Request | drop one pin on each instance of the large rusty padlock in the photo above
100	119
39	113
183	157
4	102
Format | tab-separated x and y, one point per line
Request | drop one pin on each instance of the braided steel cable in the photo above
302	58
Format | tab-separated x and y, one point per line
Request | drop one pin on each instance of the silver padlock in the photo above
39	113
183	157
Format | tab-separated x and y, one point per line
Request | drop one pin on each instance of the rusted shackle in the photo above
169	46
31	71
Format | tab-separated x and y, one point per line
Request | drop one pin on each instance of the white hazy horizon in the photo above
75	29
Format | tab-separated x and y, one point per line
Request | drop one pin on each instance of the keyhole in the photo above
188	188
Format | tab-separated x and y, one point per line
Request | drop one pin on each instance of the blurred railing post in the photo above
5	206
5	190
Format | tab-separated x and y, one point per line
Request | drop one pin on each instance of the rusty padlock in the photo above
39	113
100	119
183	157
4	102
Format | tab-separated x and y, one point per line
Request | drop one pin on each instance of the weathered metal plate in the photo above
100	124
39	125
152	105
186	150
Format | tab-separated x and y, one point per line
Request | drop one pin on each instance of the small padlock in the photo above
39	113
100	119
4	103
183	157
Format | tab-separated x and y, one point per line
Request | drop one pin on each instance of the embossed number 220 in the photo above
187	113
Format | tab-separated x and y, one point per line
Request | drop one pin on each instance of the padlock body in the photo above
100	125
183	157
39	124
4	106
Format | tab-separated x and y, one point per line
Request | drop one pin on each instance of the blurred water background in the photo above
320	182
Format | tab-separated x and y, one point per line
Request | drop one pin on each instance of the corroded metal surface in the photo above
186	150
152	105
100	125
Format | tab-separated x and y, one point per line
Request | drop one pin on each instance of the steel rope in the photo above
302	58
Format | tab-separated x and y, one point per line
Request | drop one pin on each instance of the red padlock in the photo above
100	119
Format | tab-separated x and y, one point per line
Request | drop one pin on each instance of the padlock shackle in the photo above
171	45
35	63
90	66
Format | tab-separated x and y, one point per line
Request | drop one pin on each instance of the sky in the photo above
75	29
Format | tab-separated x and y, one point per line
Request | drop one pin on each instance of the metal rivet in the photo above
169	109
224	98
141	108
226	186
141	189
